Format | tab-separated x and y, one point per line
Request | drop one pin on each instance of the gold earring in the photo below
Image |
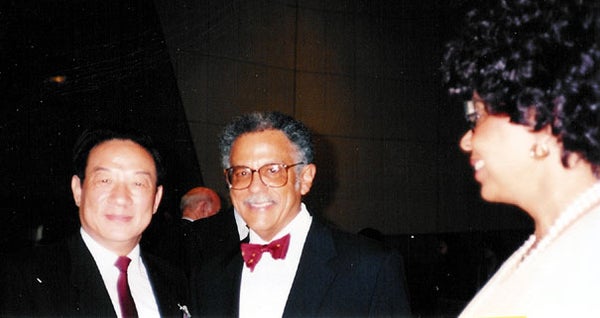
539	151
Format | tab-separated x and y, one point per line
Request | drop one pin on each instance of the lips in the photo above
259	203
119	218
478	164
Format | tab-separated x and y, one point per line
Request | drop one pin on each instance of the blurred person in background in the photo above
199	203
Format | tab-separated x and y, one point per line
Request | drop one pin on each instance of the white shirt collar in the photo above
139	282
241	225
264	292
104	256
300	224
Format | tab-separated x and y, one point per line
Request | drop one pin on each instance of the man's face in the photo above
268	210
119	195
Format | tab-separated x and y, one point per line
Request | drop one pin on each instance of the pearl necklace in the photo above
574	211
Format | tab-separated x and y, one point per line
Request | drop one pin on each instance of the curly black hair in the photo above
538	57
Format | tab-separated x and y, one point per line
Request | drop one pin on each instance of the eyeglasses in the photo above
273	175
471	114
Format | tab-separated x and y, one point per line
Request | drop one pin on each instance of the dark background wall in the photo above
362	74
67	66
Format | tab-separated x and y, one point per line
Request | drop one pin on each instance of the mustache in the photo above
258	200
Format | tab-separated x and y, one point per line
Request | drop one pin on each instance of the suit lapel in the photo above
86	281
232	282
216	289
310	285
169	288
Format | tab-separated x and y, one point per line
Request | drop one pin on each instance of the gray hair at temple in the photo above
295	131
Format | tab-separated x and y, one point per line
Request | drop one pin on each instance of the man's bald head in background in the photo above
198	203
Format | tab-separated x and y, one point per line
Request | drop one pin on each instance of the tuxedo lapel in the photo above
216	288
232	282
169	286
316	271
88	287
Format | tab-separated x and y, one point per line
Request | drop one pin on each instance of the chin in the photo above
487	195
491	196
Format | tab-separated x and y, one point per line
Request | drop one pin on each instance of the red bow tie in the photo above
253	252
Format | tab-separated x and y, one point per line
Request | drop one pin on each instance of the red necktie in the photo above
253	252
125	299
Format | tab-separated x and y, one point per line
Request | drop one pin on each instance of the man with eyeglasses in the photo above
293	265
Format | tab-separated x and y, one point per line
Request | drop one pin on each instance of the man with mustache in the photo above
293	265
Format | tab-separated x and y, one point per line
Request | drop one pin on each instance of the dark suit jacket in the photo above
188	245
339	275
62	280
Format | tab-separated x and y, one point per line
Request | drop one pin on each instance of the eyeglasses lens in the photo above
272	175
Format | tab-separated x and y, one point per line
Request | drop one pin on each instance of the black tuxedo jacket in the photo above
339	275
188	245
62	280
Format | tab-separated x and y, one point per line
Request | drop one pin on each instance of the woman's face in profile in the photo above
499	154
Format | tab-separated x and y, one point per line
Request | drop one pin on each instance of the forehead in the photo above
268	145
125	153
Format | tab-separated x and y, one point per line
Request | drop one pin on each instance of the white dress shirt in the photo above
241	225
264	291
139	283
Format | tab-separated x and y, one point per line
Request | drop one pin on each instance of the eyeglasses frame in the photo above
252	171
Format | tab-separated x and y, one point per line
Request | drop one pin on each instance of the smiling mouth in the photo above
119	218
260	205
478	165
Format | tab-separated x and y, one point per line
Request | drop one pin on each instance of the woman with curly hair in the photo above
530	72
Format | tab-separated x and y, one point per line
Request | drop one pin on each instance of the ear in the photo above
157	198
306	178
76	189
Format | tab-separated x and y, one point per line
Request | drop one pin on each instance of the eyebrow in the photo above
137	172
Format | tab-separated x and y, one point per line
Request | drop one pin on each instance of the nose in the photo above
120	193
256	184
465	141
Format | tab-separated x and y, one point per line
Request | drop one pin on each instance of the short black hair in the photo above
91	138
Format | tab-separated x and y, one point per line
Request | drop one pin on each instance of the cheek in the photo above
235	197
90	200
482	142
93	194
144	201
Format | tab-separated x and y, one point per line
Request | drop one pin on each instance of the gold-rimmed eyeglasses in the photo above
471	114
273	175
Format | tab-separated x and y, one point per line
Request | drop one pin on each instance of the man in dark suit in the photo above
210	237
188	245
203	231
117	186
293	264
